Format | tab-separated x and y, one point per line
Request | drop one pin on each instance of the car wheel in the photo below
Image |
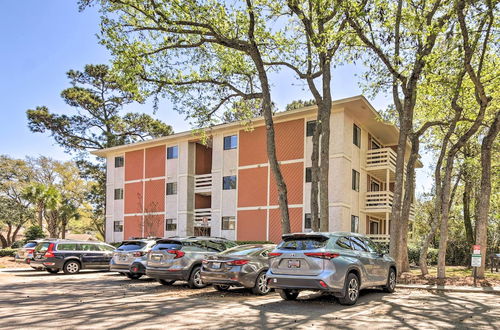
391	281
134	276
71	267
287	294
52	271
261	288
351	290
165	282
221	287
195	281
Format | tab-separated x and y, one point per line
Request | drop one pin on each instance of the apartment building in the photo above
177	185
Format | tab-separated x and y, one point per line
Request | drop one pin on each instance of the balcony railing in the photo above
379	201
203	183
383	157
202	217
380	238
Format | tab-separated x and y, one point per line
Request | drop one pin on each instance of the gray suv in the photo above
131	256
180	258
339	263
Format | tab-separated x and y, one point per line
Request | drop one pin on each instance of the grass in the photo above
457	271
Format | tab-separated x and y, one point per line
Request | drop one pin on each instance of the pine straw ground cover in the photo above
8	262
455	275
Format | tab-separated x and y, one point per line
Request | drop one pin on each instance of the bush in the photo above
17	244
34	232
414	255
7	252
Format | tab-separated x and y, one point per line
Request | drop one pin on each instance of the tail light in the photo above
322	255
204	261
238	262
138	254
178	253
274	254
50	251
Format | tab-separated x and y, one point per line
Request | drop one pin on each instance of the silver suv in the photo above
180	258
130	257
339	263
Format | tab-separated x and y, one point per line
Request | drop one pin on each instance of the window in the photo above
372	247
118	226
358	244
355	180
228	223
308	221
298	243
229	182
344	243
374	144
118	193
354	223
170	225
308	174
105	247
66	247
374	227
356	135
310	125
172	188
172	152
88	247
119	161
230	142
374	186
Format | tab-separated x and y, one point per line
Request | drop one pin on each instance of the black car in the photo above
72	256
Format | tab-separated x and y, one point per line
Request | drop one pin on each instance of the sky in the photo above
42	40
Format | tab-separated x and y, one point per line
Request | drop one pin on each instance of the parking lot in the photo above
31	299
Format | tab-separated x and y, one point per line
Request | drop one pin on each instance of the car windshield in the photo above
42	247
130	246
242	250
295	243
172	245
30	245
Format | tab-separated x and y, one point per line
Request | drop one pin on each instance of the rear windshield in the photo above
167	246
242	250
302	243
30	245
130	246
42	247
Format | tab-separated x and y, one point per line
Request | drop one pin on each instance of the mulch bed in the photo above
409	278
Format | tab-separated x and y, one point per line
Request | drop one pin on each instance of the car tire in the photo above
71	267
52	271
288	294
221	287
391	281
261	287
134	276
165	282
123	274
351	290
195	281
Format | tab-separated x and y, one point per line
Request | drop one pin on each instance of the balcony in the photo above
200	215
203	184
381	202
381	164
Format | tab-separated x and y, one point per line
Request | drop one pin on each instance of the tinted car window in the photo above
66	247
215	246
88	247
42	247
130	246
30	245
167	246
242	250
358	244
195	246
104	247
343	243
302	244
372	247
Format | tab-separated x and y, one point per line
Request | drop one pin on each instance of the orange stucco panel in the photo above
252	146
155	162
132	227
203	159
154	225
133	197
290	139
154	196
134	163
202	202
251	225
252	187
294	179
275	223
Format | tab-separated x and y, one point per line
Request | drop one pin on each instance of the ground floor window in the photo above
202	231
228	223
354	224
374	227
170	225
308	221
117	226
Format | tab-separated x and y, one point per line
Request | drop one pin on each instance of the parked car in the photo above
241	266
72	256
25	253
179	258
130	257
339	263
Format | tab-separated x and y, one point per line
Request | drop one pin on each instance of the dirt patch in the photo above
8	262
456	276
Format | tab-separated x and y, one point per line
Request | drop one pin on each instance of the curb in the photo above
485	289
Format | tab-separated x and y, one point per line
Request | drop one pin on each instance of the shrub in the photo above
34	232
7	252
414	254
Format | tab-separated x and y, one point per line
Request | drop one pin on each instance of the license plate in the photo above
123	258
293	263
156	257
215	265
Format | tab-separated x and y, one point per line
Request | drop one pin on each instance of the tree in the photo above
98	95
13	216
297	104
223	45
33	232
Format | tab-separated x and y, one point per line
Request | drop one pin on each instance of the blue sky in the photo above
42	40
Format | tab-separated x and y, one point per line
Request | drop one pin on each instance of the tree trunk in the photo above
483	204
466	200
3	240
315	221
40	215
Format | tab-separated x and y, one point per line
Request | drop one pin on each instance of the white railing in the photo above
380	238
200	215
379	200
381	157
202	183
